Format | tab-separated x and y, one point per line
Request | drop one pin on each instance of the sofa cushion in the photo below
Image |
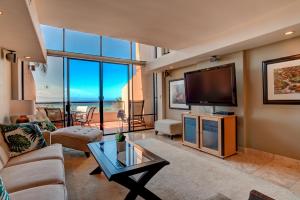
45	125
46	192
33	174
4	152
22	138
3	192
54	151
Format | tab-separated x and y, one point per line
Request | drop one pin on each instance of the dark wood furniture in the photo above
255	195
120	161
214	134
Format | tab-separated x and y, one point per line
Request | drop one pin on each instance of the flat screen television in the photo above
215	86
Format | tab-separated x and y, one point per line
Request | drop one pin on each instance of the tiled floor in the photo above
280	170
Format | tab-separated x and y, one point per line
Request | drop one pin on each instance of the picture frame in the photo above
177	95
281	80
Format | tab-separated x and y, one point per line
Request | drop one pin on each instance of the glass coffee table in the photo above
119	162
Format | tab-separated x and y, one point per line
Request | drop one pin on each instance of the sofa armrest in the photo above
47	136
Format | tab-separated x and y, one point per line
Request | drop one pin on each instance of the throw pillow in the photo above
22	138
3	192
45	125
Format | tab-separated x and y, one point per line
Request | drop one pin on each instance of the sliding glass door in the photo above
97	95
109	96
83	92
115	97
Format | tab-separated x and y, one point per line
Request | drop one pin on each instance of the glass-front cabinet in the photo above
191	130
214	134
211	134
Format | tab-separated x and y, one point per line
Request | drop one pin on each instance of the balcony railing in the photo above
111	123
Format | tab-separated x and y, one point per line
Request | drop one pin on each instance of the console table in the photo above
214	134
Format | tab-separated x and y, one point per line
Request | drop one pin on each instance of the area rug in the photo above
188	177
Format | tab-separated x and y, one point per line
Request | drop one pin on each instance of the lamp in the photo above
22	108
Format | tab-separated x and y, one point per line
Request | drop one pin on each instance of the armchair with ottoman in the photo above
74	137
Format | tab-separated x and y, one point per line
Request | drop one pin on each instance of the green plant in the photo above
120	137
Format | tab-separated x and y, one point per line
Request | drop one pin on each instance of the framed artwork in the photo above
281	80
177	95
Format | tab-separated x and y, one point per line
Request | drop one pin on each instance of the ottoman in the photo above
76	137
168	126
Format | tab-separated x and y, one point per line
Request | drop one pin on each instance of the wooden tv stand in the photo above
214	134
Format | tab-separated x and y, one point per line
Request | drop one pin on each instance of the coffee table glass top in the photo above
123	154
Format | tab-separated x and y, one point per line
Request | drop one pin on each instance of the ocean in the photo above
108	106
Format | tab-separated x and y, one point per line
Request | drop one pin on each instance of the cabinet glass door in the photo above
210	135
190	132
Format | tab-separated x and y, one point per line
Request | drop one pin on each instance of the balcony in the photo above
111	122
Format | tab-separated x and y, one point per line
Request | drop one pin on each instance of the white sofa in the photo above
38	174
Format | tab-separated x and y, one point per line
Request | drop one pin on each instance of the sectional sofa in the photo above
38	174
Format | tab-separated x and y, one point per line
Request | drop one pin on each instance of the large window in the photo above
84	80
85	43
53	37
49	80
92	44
121	93
117	48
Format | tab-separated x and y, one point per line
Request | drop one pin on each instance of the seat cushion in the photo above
54	151
169	126
76	137
33	174
46	192
84	133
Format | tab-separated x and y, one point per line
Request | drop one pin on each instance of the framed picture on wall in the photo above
281	80
177	95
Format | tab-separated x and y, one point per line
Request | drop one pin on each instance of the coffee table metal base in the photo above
136	187
98	170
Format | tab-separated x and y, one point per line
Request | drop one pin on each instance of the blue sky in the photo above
84	75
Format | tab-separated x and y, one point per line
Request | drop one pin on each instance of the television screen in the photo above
212	86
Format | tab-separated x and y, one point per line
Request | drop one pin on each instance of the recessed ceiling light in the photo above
27	57
289	33
1	13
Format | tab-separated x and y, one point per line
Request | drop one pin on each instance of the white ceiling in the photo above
194	28
19	30
173	24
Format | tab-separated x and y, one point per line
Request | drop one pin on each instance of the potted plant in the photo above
120	139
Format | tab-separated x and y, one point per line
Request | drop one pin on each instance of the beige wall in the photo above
236	58
272	128
16	84
5	88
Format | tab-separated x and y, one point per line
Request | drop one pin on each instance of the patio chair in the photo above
136	118
88	118
55	116
79	113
